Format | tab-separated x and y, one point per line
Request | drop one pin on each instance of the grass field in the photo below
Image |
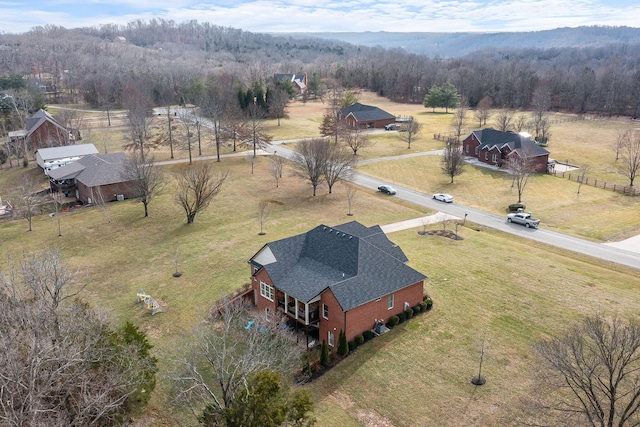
487	285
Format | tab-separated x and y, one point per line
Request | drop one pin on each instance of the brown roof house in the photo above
494	147
95	177
331	279
365	116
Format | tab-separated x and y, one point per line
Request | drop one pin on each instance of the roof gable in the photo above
490	138
363	112
94	169
358	263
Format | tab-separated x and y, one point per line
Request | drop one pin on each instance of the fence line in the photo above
599	183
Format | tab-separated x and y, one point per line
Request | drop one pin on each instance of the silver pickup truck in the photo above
523	218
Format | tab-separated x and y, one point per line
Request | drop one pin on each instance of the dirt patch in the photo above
443	233
367	417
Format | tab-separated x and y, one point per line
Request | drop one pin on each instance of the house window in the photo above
267	314
325	311
477	150
486	155
494	158
331	339
466	149
266	290
390	302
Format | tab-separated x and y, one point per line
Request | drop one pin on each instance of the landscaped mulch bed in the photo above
444	233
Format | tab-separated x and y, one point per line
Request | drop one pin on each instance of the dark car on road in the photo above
387	189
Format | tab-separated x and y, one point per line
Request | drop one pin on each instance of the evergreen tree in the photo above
343	345
324	354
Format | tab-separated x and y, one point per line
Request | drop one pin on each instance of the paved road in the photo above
597	250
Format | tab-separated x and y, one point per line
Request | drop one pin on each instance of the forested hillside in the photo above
169	61
455	45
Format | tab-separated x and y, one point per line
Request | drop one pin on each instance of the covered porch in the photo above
303	316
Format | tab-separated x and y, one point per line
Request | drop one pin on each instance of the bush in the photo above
393	321
409	313
417	309
352	346
423	306
515	207
425	297
429	303
402	317
359	339
368	335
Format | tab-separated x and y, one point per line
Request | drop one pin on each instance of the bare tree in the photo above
276	165
311	160
28	197
57	205
139	109
483	110
339	165
520	166
453	162
520	123
258	138
460	118
277	102
197	186
62	364
356	139
225	352
145	179
219	106
351	192
591	374
263	214
188	120
409	131
102	204
583	177
630	155
252	159
504	119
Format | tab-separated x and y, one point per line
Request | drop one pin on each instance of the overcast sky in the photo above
18	16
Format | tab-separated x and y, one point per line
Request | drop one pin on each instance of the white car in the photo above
447	198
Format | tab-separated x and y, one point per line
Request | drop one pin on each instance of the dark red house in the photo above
494	147
333	279
365	116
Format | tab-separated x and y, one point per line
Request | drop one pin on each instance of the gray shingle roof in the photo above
363	113
359	264
490	138
94	170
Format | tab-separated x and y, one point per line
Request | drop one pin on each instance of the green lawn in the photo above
488	284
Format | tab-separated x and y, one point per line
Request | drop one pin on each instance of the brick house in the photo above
365	116
43	130
299	81
494	147
335	278
96	177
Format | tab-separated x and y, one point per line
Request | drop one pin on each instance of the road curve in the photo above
570	243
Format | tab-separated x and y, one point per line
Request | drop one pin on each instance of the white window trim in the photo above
486	155
390	299
323	311
331	339
494	158
266	290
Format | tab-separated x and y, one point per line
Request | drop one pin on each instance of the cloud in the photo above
329	16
